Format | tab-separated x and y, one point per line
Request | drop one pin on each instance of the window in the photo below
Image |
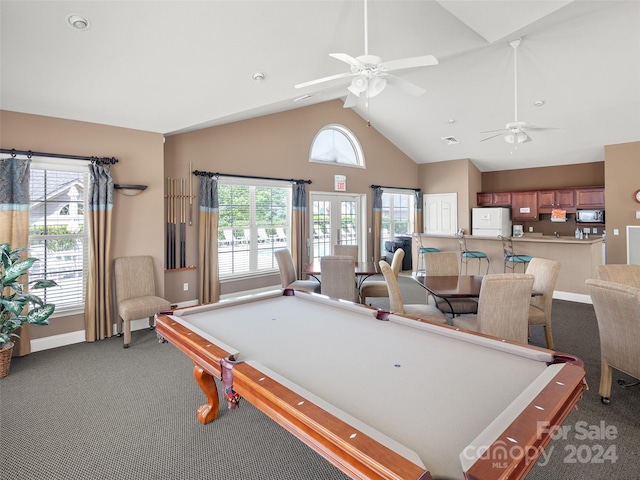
254	221
397	215
58	236
336	144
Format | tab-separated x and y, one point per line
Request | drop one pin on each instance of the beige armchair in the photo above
624	274
135	293
617	308
423	311
439	264
545	272
339	277
288	277
378	288
503	307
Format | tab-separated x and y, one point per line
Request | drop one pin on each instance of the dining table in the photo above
363	270
449	287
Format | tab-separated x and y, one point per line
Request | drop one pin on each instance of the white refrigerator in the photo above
491	222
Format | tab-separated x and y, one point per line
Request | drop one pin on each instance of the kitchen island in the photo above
578	258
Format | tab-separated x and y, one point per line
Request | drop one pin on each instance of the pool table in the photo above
379	395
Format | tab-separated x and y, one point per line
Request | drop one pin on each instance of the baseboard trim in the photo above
572	297
64	339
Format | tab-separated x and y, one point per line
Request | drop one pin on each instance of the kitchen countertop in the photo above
530	238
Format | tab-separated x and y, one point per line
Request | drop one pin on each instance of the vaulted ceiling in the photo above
175	66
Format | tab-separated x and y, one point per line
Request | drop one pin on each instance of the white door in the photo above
336	219
440	213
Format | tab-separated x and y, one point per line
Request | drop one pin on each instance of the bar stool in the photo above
422	251
511	259
466	255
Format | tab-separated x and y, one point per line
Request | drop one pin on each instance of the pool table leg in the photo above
209	411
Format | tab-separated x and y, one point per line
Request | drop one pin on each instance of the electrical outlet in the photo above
530	229
586	230
638	214
616	231
595	230
185	287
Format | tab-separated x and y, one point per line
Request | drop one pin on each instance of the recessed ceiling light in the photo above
450	140
257	77
538	103
78	22
451	120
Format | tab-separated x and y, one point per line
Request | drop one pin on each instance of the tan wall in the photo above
454	176
136	225
622	179
577	175
278	146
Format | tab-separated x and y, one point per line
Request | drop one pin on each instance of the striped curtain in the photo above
98	320
299	228
377	225
209	289
418	225
14	222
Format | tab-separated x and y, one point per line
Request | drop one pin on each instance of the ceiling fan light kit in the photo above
370	74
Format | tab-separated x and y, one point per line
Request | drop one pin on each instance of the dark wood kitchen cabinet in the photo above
494	199
524	206
590	197
550	199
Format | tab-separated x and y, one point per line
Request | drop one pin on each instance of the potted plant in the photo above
14	299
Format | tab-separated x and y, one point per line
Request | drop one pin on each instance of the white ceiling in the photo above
175	66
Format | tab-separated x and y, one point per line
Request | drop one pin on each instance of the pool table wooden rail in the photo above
326	434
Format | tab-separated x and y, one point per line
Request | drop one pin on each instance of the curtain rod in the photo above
396	188
28	153
211	174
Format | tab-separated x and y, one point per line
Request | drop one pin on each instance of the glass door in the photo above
336	219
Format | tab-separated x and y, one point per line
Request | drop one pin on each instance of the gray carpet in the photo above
98	411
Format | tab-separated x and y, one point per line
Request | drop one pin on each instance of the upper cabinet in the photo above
527	206
494	199
550	199
590	197
524	206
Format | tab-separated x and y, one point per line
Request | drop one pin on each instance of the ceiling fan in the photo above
516	131
370	74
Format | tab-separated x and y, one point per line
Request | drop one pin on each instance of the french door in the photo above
336	219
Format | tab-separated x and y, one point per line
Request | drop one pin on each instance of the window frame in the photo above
352	139
410	216
73	166
253	248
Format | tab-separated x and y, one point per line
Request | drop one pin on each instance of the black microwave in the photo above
589	216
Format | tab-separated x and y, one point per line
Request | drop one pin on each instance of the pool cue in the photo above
168	237
190	195
172	254
183	227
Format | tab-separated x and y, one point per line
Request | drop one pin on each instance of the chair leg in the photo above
606	374
127	333
152	323
549	336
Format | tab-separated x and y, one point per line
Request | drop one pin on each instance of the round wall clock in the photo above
636	196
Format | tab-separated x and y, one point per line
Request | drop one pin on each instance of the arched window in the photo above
336	144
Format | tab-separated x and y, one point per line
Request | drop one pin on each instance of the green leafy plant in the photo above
14	299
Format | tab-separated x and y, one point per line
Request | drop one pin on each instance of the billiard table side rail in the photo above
359	456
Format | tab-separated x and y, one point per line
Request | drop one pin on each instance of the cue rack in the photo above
179	208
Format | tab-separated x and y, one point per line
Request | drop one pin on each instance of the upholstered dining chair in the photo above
617	308
545	273
467	255
378	288
348	250
511	259
622	273
135	293
503	307
423	311
339	277
288	278
440	264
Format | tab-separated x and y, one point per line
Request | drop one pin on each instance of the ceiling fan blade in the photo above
413	62
351	101
343	57
493	131
407	86
323	80
539	129
492	136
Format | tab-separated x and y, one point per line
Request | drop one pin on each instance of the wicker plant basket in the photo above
5	359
